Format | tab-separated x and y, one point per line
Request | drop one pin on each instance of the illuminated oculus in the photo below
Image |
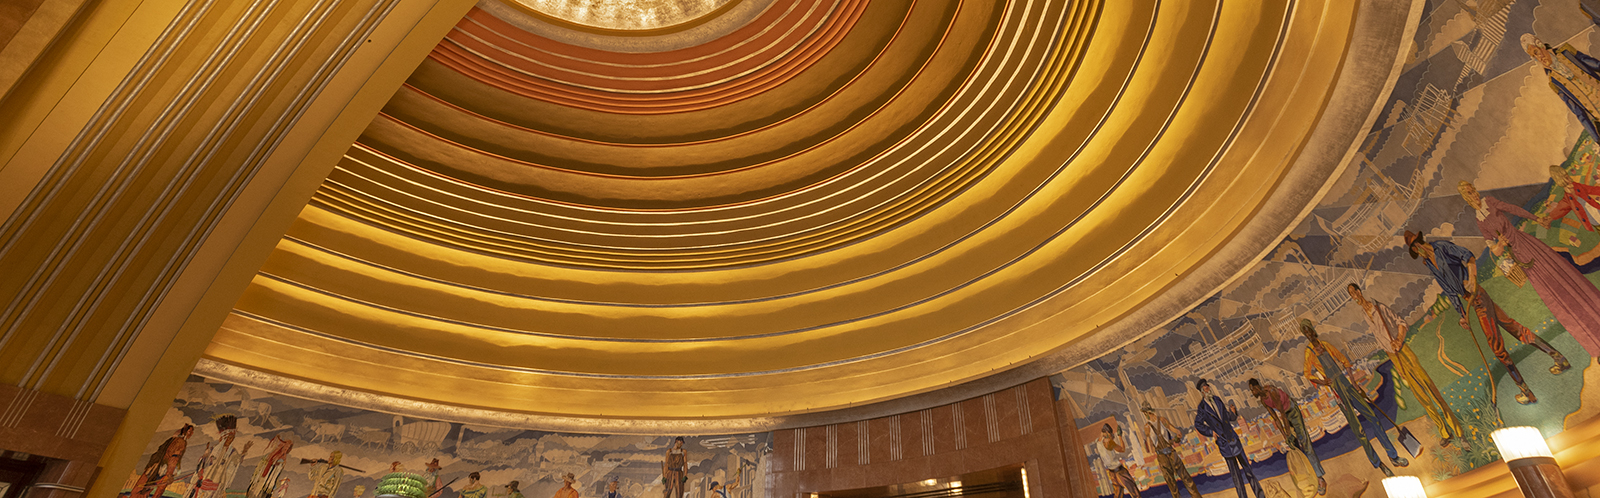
625	14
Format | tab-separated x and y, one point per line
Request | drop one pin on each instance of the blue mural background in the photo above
371	442
1470	105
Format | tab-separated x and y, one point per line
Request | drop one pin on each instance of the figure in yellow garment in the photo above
474	489
1390	331
326	476
567	491
674	471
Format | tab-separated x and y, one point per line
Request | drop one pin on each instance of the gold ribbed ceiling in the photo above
792	206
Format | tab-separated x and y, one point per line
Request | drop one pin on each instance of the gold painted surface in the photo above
1147	137
120	278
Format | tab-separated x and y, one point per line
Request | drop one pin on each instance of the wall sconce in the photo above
1531	463
1404	487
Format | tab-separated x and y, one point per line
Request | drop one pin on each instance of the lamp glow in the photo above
1516	443
1404	487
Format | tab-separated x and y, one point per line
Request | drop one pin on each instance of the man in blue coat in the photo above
1215	420
1574	76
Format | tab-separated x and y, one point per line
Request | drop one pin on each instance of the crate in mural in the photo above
1449	278
226	441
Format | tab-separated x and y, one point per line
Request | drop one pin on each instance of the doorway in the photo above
1003	482
18	471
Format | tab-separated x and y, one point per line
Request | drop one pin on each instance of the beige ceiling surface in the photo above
836	203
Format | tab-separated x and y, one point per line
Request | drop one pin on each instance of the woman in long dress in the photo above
1573	300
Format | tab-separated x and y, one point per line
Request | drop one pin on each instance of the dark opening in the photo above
18	471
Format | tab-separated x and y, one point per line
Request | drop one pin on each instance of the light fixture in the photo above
930	482
1025	484
1531	463
1404	487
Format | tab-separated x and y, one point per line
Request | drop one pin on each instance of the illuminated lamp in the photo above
1404	487
1531	463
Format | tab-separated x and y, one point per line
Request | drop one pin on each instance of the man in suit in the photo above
1215	420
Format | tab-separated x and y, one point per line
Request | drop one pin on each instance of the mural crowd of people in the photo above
1380	313
1518	261
729	468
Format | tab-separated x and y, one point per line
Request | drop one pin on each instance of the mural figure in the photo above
1291	423
466	452
1574	75
1214	420
158	471
567	490
1582	201
1112	453
433	469
1455	269
193	481
326	476
475	489
1390	332
1571	298
718	490
1326	366
675	470
265	480
224	462
282	489
1162	438
1576	198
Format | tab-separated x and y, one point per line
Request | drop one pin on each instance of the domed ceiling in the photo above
743	208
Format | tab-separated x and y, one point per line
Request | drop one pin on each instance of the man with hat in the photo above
1215	420
612	490
1163	439
327	476
1455	269
567	490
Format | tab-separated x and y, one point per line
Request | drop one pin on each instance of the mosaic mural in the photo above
1446	284
226	441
